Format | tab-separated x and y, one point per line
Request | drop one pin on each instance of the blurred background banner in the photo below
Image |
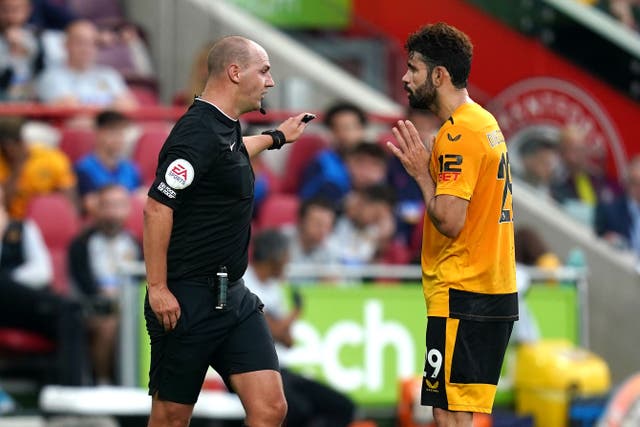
363	339
332	14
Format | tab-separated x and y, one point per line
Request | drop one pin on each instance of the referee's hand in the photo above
293	127
165	306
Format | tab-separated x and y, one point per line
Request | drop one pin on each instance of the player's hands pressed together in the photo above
165	306
412	152
293	127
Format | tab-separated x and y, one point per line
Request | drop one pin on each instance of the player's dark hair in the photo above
344	107
270	245
321	202
110	118
441	44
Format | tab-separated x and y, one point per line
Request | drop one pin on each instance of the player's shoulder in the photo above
470	121
472	117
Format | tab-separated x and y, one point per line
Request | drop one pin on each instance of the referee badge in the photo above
179	174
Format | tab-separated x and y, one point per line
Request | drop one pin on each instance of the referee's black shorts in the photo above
232	341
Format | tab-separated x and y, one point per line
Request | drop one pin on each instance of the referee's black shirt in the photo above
205	176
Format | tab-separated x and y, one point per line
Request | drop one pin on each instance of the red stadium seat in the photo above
278	210
77	142
301	154
59	223
19	341
147	149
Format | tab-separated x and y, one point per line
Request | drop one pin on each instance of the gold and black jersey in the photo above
472	275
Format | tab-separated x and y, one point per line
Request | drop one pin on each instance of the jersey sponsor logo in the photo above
179	174
453	138
540	107
495	138
164	189
449	167
430	385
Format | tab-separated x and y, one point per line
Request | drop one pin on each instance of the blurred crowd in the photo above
73	194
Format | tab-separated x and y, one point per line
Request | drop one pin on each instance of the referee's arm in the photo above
158	221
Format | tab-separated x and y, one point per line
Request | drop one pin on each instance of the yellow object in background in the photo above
549	373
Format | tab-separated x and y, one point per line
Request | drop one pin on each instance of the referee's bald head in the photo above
229	50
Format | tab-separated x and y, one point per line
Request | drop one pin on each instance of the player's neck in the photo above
451	101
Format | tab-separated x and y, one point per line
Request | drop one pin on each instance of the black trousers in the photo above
313	403
55	317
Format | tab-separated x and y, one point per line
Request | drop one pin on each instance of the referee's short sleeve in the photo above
185	157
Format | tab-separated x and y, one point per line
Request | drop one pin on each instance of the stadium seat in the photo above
144	95
278	210
19	341
300	155
59	223
145	153
77	142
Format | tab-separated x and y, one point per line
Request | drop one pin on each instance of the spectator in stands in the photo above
49	14
94	258
309	402
410	202
531	250
327	174
618	221
366	164
25	300
309	239
21	52
540	163
81	81
367	226
579	185
27	171
107	164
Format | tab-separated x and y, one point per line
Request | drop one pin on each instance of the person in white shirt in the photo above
81	81
308	401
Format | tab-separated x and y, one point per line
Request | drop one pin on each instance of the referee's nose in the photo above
269	81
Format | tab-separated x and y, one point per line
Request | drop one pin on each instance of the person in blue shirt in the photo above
327	175
107	163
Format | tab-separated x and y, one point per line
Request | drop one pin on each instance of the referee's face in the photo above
256	79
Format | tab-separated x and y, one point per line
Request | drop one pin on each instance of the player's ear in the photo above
233	72
438	76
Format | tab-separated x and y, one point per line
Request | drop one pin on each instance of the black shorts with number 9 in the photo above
463	360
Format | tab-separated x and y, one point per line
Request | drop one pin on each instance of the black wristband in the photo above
278	139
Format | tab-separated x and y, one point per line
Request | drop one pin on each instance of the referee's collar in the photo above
217	108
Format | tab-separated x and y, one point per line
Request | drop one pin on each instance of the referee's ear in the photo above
233	71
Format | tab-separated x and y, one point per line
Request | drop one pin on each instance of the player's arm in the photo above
158	221
448	213
291	128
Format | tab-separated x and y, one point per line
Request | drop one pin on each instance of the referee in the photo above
196	230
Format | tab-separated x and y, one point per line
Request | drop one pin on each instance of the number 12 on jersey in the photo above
504	173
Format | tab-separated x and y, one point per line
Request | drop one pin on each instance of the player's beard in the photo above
425	96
